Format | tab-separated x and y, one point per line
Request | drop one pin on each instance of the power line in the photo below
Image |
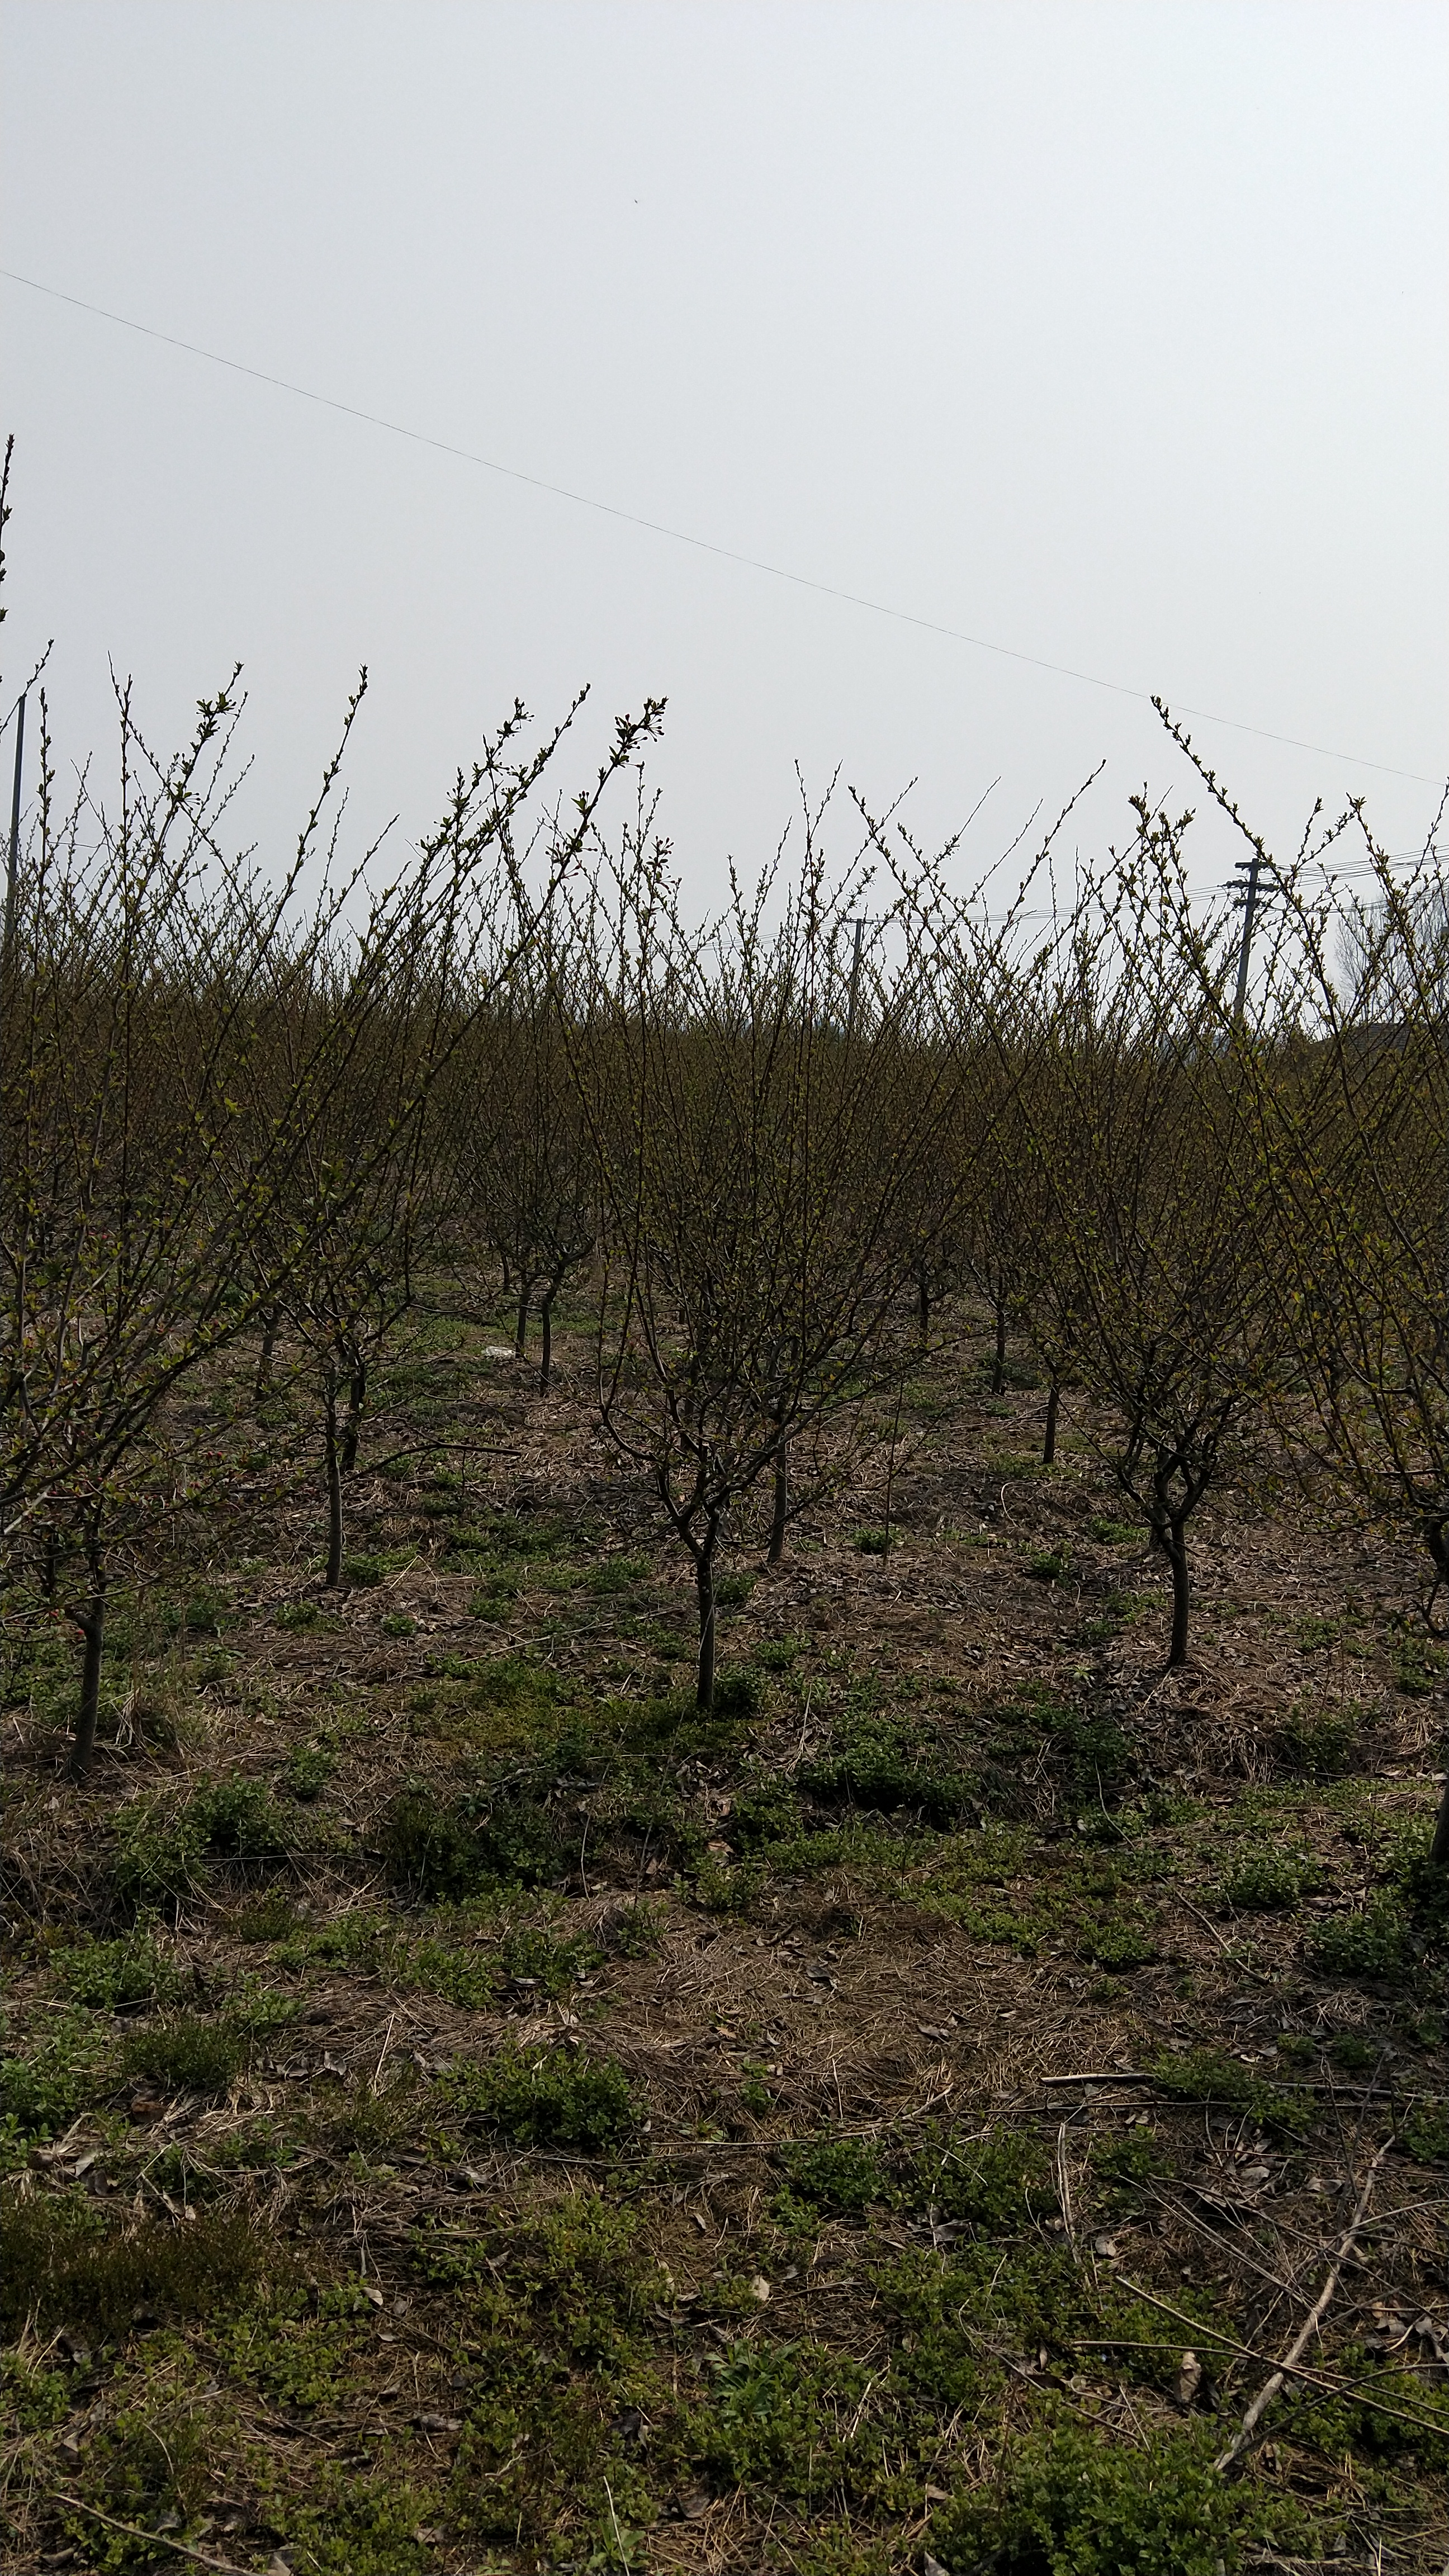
701	545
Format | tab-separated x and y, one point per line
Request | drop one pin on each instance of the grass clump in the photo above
1424	2132
1399	1935
456	1848
306	1771
992	2185
1117	1943
60	2261
773	2417
876	1763
1122	2168
558	2098
160	1844
535	1956
1208	2075
187	2055
1318	1744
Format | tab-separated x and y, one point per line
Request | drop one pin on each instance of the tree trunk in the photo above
351	1429
1439	1840
1436	1539
1174	1547
923	1305
780	1514
91	1622
546	1313
998	1374
1049	1444
334	1492
520	1330
704	1595
270	1323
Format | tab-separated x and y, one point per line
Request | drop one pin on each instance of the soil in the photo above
465	2110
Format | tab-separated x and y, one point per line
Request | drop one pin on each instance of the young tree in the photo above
388	1154
156	1193
1153	1281
526	1165
757	1162
1353	1107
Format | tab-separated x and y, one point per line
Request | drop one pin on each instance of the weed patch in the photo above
1066	2503
187	2055
555	2098
60	2261
107	1976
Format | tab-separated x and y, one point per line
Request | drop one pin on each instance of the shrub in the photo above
842	2176
1065	2504
474	1842
558	2099
307	1770
1375	1942
107	1975
1265	1881
41	2094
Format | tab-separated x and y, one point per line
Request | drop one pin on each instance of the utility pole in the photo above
1245	944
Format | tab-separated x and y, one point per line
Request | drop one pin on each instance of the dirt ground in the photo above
462	2110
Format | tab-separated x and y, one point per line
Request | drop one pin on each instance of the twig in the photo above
1104	2075
1310	2325
1225	1945
1064	2190
157	2539
1311	2378
614	2519
386	2045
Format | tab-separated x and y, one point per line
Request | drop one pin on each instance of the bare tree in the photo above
757	1163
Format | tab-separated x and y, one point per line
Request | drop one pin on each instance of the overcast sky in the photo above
1111	332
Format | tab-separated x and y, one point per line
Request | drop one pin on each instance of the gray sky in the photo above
1113	332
